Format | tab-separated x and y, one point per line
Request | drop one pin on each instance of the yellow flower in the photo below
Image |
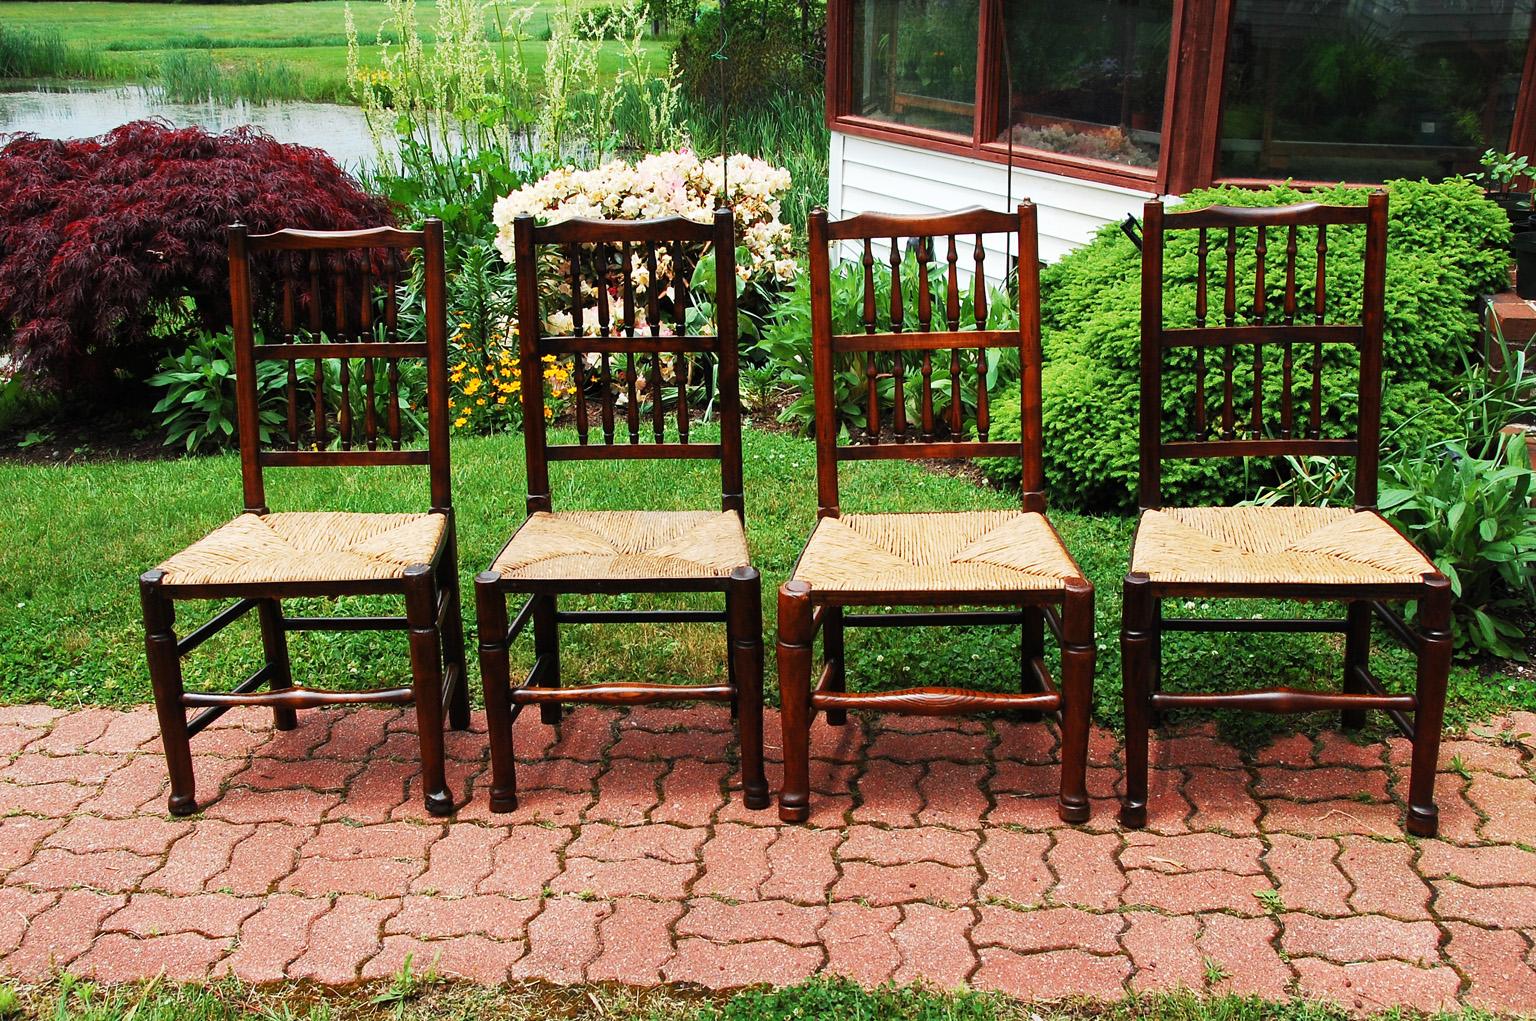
501	400
480	401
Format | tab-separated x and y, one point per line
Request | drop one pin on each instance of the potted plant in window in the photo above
1501	170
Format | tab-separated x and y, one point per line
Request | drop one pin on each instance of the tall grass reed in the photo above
43	53
193	76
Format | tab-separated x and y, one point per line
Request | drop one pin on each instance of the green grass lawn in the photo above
308	37
77	537
416	998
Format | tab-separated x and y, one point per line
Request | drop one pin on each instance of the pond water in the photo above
83	113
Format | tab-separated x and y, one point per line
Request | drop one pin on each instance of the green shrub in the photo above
1443	253
771	47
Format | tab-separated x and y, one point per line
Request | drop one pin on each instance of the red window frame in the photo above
1191	104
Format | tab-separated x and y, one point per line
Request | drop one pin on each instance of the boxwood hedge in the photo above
1445	248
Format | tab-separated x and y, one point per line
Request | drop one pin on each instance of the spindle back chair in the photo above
328	305
950	343
1012	559
1351	555
1252	320
637	336
624	330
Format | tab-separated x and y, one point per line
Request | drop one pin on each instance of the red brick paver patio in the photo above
934	853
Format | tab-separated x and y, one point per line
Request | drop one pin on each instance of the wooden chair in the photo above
335	296
990	558
557	553
1305	553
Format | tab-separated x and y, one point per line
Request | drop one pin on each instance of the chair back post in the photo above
1373	320
1031	418
728	371
532	395
247	414
821	365
436	295
1149	489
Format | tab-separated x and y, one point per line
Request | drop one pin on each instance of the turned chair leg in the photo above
274	643
1136	662
1077	656
165	677
453	642
1357	655
496	685
744	623
1155	670
1434	627
546	646
427	684
1031	647
832	652
796	635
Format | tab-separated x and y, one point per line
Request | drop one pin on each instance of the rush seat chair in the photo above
335	300
1340	554
1011	559
624	332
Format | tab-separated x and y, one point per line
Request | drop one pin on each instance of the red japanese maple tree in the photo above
100	238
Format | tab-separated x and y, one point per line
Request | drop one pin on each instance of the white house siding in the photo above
877	176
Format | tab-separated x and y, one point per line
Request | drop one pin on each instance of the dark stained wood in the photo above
317	271
1143	622
597	252
804	611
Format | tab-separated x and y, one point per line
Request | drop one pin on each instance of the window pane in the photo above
1088	76
914	62
1365	90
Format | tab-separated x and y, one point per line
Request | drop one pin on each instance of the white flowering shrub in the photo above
667	184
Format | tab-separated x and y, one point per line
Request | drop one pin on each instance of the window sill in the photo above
1144	179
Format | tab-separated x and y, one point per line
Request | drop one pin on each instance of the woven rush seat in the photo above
322	546
625	544
1274	546
937	552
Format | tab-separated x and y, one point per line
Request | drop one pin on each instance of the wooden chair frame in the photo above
430	590
742	615
804	610
1144	623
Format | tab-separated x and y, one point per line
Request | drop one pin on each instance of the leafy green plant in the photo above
1502	168
199	406
1473	517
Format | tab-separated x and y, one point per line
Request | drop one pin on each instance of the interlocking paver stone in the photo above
934	854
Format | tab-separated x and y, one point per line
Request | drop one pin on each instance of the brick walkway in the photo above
934	853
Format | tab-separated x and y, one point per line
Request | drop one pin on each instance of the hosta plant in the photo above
199	406
1473	517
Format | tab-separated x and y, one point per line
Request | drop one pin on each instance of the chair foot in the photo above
1423	821
285	719
756	799
439	803
1133	815
503	801
1072	810
793	813
835	717
181	804
549	713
